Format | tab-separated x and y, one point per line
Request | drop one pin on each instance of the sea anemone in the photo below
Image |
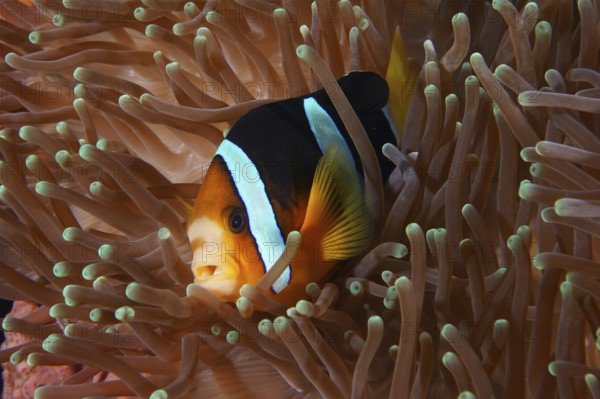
484	280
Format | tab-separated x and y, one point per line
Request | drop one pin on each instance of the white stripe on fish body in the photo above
261	217
325	130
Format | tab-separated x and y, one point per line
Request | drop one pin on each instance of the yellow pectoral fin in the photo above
337	214
402	79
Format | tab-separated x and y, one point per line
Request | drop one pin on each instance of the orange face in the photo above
224	253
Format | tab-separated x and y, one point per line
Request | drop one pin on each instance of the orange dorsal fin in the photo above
402	79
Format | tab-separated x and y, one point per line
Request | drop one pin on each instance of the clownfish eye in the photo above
237	221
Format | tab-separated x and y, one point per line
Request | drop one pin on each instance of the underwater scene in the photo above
292	198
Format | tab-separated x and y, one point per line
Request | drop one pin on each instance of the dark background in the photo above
5	307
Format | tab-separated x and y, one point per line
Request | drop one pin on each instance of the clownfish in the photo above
291	166
288	166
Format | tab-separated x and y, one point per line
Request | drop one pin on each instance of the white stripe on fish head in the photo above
262	221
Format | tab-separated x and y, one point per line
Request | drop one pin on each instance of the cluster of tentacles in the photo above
485	279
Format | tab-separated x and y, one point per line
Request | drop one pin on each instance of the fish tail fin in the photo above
337	214
402	79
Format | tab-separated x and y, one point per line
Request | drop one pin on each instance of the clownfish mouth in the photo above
221	279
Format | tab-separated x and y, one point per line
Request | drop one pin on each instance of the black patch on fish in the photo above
278	139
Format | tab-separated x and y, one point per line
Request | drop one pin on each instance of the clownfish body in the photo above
288	166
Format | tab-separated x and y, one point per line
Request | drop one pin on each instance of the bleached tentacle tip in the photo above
390	303
413	228
62	157
164	234
531	9
179	29
449	358
294	237
544	147
466	395
459	18
566	288
591	380
402	284
476	58
513	242
79	103
214	17
79	73
543	28
466	243
86	151
524	231
143	98
34	37
43	188
9	324
467	208
244	306
232	337
159	394
151	29
11	59
313	289
69	234
132	290
106	251
388	277
547	214
189	290
525	183
16	357
62	269
450	333
356	288
95	187
497	4
440	234
392	293
280	13
26	133
124	313
265	327
172	67
525	154
302	51
80	91
68	294
216	329
399	251
191	7
200	39
88	273
49	343
528	98
126	99
305	308
375	322
292	312
472	81
539	262
280	323
139	13
431	89
55	310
